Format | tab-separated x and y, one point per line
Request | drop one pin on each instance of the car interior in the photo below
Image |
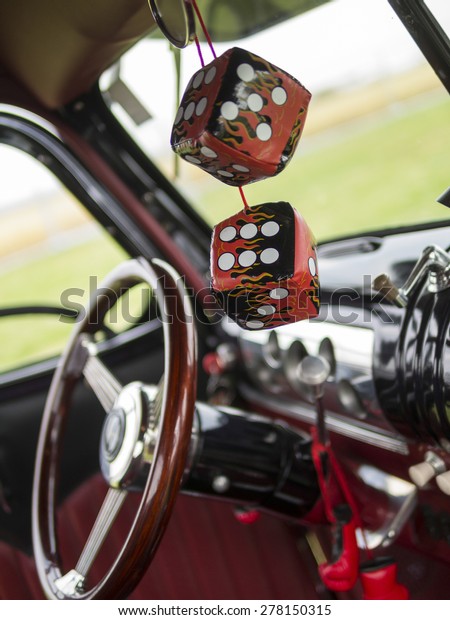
172	425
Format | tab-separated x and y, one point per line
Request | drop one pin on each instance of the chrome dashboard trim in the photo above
354	430
402	500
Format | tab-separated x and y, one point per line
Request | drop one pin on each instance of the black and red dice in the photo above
240	118
264	267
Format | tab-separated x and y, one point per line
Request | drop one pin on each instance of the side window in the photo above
51	250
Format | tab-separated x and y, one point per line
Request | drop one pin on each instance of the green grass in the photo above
30	338
385	172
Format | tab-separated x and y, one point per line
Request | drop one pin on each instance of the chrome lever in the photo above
313	371
401	501
434	264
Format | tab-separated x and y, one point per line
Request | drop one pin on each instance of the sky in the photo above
337	45
340	44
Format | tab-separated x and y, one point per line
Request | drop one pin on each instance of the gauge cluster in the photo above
389	382
272	361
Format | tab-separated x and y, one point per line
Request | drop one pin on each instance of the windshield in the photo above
373	153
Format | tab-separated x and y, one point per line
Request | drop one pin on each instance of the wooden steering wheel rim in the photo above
163	482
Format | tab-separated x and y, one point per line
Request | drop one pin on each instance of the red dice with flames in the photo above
240	118
264	267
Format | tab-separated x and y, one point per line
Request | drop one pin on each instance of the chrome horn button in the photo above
126	437
113	433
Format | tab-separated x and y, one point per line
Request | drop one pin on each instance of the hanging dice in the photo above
264	267
240	118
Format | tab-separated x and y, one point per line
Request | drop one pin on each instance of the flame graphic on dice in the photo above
240	118
264	267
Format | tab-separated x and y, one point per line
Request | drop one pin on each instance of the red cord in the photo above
200	55
349	497
204	28
244	200
199	51
319	449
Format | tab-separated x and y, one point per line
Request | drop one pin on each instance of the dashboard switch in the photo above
423	472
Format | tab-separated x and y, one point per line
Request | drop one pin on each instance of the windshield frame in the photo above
428	34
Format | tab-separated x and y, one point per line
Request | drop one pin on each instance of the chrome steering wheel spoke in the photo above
105	386
73	581
108	512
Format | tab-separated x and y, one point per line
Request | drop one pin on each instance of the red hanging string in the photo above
244	200
200	55
204	28
199	51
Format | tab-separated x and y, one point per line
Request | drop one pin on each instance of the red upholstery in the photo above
205	554
18	579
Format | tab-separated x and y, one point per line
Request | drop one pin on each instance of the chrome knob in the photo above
433	268
423	472
384	285
314	370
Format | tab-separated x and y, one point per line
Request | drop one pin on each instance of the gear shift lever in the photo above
341	572
313	371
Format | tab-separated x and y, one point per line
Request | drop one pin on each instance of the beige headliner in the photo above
58	48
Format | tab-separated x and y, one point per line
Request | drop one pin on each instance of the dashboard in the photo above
357	333
387	395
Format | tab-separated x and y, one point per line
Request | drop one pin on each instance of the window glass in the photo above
441	12
374	152
52	255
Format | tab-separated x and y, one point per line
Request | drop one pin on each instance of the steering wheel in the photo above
144	442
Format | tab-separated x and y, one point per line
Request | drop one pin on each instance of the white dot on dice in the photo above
263	132
269	256
189	111
248	231
312	266
269	229
279	293
229	110
198	79
228	233
179	115
255	102
279	95
192	159
245	72
247	258
254	324
226	261
266	310
201	106
207	152
210	75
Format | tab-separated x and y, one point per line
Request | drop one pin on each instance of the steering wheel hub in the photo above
128	436
112	434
